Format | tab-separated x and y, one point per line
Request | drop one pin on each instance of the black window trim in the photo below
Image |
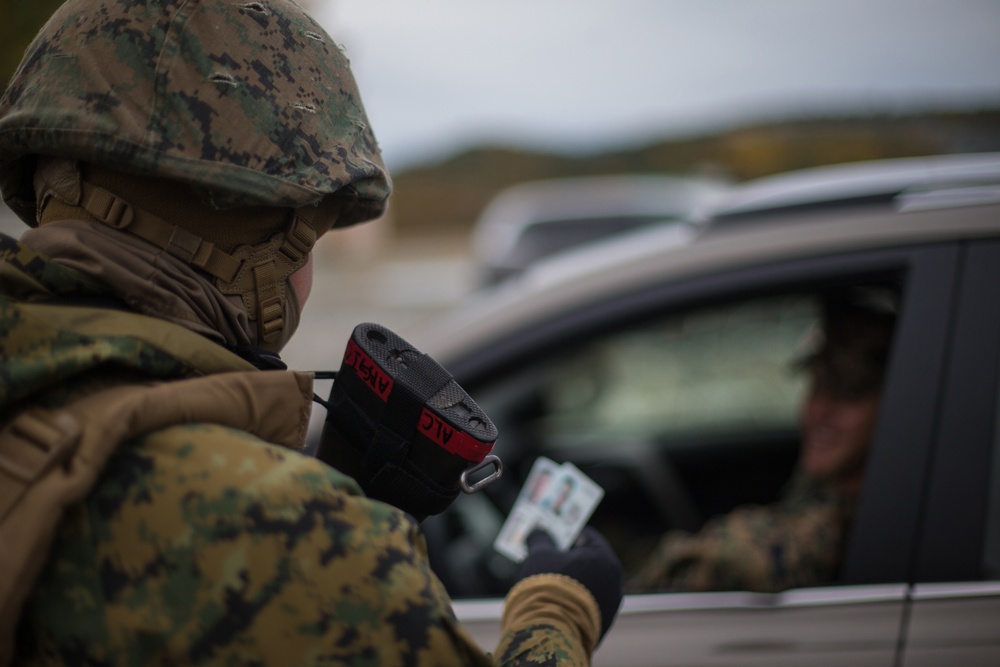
884	537
952	537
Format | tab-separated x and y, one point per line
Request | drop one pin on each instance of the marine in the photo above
799	540
176	162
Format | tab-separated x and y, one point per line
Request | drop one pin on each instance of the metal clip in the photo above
490	459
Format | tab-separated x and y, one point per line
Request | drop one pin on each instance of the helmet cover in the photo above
252	103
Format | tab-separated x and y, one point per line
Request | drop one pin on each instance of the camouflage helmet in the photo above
251	103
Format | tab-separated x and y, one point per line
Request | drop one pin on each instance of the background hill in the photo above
443	199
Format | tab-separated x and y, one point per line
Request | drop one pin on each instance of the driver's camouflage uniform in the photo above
796	542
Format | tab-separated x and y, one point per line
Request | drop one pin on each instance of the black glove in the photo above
590	560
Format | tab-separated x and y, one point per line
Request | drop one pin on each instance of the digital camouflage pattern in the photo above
204	544
797	542
251	102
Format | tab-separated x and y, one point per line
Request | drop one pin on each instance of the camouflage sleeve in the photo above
757	548
201	545
549	619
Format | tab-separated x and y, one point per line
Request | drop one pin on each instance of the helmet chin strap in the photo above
262	279
257	273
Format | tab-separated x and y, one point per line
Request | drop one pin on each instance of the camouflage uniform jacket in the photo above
203	543
796	542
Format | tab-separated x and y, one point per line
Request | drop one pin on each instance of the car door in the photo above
955	609
859	620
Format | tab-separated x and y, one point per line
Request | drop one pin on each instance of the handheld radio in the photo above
401	425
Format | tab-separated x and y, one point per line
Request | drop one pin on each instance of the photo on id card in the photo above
557	498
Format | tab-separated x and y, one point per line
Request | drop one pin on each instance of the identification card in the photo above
557	498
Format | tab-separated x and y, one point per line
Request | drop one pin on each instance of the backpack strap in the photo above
50	458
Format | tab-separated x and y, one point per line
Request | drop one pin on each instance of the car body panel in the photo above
807	626
954	624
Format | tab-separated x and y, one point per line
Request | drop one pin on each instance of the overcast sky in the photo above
438	76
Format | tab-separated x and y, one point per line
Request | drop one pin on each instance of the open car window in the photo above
680	416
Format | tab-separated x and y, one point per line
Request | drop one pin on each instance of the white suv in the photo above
536	219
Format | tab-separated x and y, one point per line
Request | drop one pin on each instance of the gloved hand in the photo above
590	560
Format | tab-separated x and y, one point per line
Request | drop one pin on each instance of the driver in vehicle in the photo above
799	540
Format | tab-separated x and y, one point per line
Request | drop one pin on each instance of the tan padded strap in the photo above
53	457
300	238
295	247
179	242
30	448
257	273
265	270
270	309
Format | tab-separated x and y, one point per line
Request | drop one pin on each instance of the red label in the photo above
368	370
449	437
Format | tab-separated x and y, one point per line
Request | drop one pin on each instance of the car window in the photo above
680	416
711	370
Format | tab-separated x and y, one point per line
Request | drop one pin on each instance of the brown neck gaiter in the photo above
149	280
152	281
